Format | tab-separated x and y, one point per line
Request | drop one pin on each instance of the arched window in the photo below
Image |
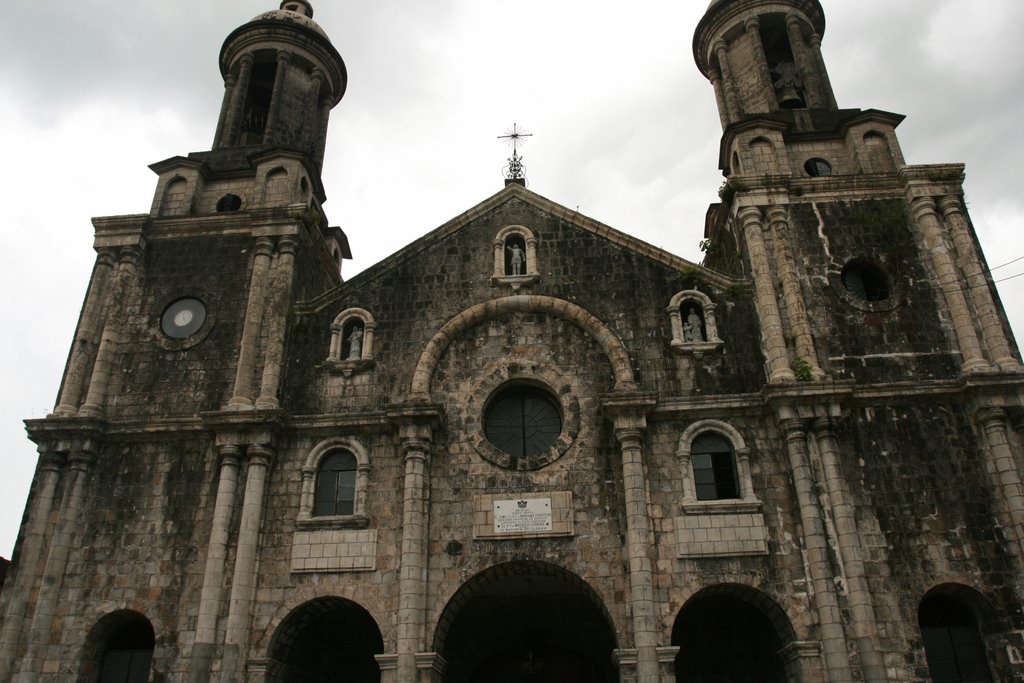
714	468
335	485
515	257
127	652
175	200
952	643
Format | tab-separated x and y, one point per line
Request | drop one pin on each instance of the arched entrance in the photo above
731	633
118	649
327	639
526	622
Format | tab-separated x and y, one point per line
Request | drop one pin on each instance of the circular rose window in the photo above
523	421
183	318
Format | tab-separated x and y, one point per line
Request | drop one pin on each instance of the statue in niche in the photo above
517	258
693	331
355	343
789	85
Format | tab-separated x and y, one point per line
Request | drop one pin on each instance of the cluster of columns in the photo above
114	280
764	271
734	102
270	289
64	467
234	450
961	280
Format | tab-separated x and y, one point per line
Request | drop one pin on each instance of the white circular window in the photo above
183	318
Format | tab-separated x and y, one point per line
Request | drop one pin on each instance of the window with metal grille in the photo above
714	468
523	421
335	485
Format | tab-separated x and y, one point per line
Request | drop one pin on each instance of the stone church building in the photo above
478	462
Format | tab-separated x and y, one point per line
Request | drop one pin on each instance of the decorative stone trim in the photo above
524	372
341	359
530	272
358	518
700	300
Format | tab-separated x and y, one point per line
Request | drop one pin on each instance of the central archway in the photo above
526	621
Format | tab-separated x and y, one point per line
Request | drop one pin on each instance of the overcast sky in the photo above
625	129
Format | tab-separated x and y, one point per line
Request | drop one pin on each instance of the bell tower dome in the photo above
763	56
282	77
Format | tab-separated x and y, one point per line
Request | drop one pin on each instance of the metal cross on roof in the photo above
514	136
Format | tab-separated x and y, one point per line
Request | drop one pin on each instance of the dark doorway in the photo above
326	640
952	643
119	649
726	639
526	622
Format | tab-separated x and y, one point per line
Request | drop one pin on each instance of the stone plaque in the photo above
522	516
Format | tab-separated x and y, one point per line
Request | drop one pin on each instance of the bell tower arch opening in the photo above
526	621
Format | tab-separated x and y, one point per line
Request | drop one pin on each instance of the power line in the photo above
1021	258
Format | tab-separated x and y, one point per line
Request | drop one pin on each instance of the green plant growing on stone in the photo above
802	370
728	189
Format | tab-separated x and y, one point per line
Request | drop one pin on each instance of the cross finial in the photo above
514	136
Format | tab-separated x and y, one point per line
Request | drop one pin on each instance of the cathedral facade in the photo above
527	446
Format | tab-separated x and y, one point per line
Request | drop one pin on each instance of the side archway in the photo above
609	342
721	621
118	648
328	638
526	620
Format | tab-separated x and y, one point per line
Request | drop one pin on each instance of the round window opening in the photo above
183	318
818	168
866	281
523	421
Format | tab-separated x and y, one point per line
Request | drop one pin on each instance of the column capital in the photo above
950	205
814	41
81	460
106	256
414	448
778	213
230	80
230	454
991	416
630	437
793	428
751	216
719	45
283	56
752	24
247	59
922	205
287	245
50	459
793	20
130	255
264	246
260	454
714	76
825	426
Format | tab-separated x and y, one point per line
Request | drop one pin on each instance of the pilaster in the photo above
244	373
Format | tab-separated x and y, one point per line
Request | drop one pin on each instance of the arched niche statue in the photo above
694	328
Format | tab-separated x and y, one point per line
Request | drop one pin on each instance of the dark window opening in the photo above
818	168
866	281
515	255
787	81
952	643
714	468
257	102
523	421
129	653
335	485
228	203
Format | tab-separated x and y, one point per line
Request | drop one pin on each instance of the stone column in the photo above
728	85
773	339
949	283
21	580
243	582
238	95
99	382
86	334
412	598
800	326
830	619
864	623
247	349
629	431
273	113
764	75
824	81
977	284
80	462
213	576
1003	467
229	90
277	321
715	77
321	139
803	63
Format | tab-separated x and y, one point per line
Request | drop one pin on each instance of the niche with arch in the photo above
694	327
720	514
176	200
879	157
515	257
351	342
